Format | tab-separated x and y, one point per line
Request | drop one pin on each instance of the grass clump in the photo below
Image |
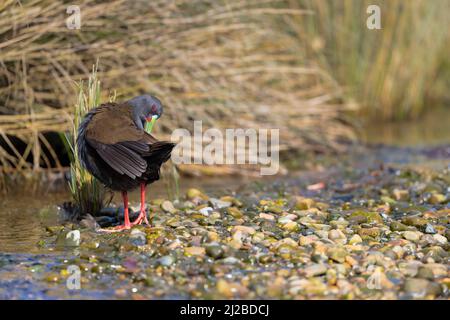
88	194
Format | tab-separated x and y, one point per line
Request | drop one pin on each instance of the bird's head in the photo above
146	109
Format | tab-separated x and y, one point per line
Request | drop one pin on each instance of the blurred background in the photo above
311	68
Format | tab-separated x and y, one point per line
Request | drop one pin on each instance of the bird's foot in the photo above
116	228
142	218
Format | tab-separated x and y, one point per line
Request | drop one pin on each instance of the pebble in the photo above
413	236
315	270
195	193
167	206
304	203
194	251
410	268
400	194
440	239
307	240
337	254
206	211
243	229
73	238
284	220
266	216
214	250
419	288
219	204
166	261
369	232
437	198
355	239
398	226
230	289
337	236
429	229
234	212
290	226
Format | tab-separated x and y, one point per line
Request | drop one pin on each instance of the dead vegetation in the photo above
227	63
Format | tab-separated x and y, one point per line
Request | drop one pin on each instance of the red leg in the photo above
142	214
126	225
125	208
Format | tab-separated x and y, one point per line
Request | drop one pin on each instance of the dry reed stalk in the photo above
220	62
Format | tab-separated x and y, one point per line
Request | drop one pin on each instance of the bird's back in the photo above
114	150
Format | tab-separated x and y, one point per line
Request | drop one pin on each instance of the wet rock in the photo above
355	239
230	260
340	224
410	268
275	288
168	206
166	261
219	204
369	232
337	236
418	222
273	208
266	216
337	254
194	251
54	229
206	211
137	237
284	220
214	250
436	269
437	198
73	238
419	288
413	236
195	193
315	270
398	226
304	203
290	226
235	212
400	194
307	240
425	273
235	202
440	239
429	229
313	286
230	289
68	238
244	229
258	237
363	217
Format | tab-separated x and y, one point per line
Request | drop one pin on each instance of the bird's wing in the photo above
117	140
112	123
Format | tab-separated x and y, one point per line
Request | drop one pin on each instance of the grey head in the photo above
144	108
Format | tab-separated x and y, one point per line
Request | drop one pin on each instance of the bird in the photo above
114	147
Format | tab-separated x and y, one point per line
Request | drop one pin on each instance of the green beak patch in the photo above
149	124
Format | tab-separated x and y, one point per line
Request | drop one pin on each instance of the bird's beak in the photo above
150	121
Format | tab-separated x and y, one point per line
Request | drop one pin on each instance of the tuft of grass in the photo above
88	194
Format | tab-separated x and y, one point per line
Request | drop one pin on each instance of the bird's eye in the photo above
153	108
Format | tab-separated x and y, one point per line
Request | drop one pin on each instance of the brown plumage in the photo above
113	146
